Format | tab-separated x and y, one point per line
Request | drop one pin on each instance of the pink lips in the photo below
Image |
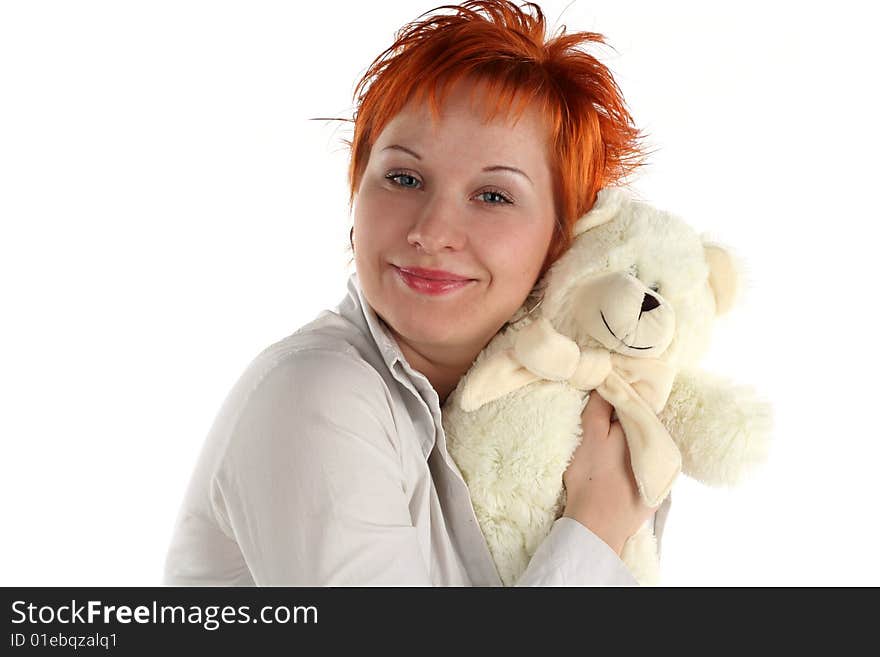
432	281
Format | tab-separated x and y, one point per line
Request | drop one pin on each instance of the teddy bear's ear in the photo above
607	205
723	276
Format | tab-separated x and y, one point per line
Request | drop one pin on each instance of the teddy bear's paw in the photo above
641	558
507	547
723	430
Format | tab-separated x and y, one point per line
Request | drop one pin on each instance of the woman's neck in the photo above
442	367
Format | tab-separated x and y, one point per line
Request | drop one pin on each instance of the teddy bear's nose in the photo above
649	303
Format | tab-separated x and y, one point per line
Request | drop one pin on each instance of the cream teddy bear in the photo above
626	311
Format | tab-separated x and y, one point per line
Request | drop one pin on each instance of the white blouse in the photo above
327	466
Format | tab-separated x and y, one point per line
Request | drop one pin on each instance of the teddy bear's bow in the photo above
637	388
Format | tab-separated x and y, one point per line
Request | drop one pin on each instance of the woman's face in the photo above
463	196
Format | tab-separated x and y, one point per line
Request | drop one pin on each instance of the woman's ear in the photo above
723	276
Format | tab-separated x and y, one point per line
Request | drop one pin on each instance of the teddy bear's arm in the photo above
722	429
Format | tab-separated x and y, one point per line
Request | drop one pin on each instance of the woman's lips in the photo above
431	286
434	274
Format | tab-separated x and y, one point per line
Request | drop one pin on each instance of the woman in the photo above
476	147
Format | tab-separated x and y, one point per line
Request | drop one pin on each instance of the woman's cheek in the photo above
510	239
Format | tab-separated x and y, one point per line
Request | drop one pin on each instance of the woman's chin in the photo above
443	332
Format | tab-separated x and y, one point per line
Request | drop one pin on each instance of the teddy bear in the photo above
627	311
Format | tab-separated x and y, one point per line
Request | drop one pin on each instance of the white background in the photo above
168	210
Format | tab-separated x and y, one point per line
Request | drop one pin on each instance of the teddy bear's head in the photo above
638	281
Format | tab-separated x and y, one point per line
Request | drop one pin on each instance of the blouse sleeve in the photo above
310	486
572	555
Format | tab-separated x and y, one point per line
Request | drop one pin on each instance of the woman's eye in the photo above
404	180
493	197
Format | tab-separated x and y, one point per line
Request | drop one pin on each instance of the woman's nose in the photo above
438	226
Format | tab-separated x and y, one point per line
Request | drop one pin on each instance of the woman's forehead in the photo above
467	109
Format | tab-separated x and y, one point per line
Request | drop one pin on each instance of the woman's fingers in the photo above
595	422
596	418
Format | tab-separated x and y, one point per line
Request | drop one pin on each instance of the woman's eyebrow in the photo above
501	167
397	147
496	167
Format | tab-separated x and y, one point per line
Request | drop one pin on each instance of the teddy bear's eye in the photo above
656	288
633	271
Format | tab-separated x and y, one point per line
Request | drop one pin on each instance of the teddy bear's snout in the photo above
649	303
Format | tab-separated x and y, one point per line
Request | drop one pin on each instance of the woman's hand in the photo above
601	491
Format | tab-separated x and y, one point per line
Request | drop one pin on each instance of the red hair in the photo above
594	140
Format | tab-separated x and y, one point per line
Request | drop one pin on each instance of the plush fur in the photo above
627	311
